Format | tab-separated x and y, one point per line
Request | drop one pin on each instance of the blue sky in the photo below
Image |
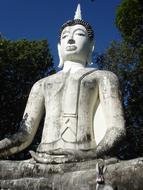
42	19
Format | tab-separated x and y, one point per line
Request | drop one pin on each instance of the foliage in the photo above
124	60
129	20
22	63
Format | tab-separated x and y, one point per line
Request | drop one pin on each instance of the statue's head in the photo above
76	41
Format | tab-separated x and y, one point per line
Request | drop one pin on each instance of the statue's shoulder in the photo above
49	79
105	74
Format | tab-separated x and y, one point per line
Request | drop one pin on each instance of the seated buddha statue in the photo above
83	111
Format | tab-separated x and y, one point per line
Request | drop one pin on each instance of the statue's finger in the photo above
68	152
32	153
56	152
62	152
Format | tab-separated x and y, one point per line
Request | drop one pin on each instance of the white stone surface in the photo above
78	13
75	45
100	125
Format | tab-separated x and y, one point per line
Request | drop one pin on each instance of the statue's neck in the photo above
72	66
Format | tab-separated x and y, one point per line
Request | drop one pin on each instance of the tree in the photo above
22	63
129	20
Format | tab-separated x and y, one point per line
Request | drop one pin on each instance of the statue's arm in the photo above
28	127
109	95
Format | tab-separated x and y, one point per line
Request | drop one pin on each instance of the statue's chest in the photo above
70	88
77	91
69	105
75	86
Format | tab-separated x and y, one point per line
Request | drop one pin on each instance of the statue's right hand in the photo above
4	145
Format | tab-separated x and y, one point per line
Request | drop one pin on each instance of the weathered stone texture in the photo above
125	175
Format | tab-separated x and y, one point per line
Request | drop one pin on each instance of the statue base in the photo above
124	175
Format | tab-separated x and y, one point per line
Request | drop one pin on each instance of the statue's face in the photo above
75	44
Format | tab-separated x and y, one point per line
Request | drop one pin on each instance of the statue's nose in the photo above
71	41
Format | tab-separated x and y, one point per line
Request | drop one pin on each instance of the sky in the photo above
42	19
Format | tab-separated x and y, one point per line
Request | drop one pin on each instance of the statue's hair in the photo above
81	22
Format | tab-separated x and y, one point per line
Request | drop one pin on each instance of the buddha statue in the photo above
83	111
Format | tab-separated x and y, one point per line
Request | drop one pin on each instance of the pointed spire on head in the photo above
78	20
78	13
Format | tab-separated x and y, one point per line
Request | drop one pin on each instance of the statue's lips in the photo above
71	48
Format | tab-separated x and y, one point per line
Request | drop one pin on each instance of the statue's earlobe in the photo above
61	62
89	59
93	48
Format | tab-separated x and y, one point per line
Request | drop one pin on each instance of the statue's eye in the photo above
80	34
64	36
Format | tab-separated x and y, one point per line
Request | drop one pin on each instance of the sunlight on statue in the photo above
83	112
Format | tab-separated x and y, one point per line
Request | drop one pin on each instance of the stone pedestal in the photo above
122	175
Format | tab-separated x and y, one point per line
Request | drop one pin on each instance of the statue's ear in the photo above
61	62
93	46
89	58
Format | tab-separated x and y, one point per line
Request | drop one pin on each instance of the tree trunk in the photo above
124	175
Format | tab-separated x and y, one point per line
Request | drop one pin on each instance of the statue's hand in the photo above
74	155
4	145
